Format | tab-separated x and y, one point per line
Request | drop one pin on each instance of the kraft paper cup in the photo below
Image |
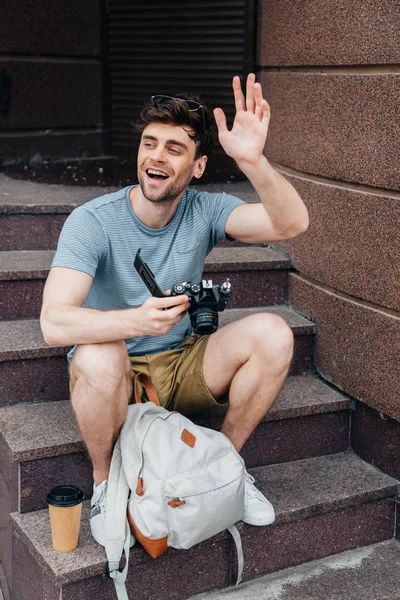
65	508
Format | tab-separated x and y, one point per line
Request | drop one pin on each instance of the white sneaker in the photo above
257	509
98	513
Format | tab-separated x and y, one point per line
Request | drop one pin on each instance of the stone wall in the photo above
50	54
330	71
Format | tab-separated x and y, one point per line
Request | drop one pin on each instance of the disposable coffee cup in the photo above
65	508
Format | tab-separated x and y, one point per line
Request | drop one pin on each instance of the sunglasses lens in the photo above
160	99
191	104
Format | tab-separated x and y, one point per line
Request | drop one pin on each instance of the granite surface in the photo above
332	32
339	126
357	346
35	431
45	444
23	340
352	243
252	258
27	30
370	573
33	380
270	549
294	439
376	438
327	483
38	477
255	273
24	196
63	84
21	299
30	231
25	264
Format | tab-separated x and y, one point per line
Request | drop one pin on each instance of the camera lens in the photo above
204	321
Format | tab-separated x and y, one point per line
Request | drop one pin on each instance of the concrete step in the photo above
32	214
42	447
324	506
370	573
258	277
32	371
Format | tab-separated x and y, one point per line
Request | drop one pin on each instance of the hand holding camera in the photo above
205	300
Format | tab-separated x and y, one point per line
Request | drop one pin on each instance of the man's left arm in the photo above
282	213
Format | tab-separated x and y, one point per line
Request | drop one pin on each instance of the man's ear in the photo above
199	166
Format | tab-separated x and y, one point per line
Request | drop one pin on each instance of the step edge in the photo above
307	327
316	407
380	492
274	262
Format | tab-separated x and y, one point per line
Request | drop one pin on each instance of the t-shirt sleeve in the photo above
82	242
219	208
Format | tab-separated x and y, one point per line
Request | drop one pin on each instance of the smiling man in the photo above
96	301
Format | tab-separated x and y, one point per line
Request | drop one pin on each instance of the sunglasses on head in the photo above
162	99
191	104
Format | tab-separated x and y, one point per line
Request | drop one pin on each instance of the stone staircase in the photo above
327	500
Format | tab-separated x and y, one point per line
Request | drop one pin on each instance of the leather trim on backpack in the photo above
148	387
155	547
188	438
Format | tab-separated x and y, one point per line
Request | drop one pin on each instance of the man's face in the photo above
166	161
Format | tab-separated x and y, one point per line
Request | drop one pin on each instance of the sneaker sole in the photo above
258	523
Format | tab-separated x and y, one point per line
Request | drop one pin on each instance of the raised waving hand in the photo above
246	140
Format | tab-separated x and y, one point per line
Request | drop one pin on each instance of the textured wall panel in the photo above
339	126
357	347
53	94
352	243
65	27
328	32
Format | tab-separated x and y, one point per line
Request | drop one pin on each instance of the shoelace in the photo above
251	490
100	501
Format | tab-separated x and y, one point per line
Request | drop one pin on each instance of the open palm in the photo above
246	140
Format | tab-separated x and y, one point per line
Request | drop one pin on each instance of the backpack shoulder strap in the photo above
148	386
117	533
233	530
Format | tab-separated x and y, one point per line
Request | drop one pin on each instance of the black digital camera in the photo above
206	300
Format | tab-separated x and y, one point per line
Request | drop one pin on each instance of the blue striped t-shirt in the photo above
101	238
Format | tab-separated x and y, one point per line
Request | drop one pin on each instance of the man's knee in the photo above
101	364
273	337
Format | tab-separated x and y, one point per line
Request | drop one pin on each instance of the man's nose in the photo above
158	153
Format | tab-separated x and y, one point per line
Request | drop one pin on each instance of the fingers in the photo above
238	94
266	113
168	301
220	120
258	101
250	103
254	101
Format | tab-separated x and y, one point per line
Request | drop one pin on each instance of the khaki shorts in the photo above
178	377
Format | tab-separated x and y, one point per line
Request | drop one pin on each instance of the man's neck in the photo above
153	214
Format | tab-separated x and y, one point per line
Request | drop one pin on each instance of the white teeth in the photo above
155	172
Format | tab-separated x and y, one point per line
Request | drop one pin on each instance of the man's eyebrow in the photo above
170	142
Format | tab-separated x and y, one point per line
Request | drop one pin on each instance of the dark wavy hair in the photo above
176	112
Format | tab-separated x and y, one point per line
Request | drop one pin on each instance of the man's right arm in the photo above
65	322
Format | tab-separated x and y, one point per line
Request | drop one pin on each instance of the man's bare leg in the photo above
101	389
250	358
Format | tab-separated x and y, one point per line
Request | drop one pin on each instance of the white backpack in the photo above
171	483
